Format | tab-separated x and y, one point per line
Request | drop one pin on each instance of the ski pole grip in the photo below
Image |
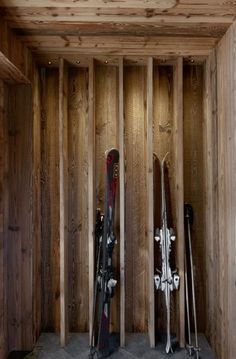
188	212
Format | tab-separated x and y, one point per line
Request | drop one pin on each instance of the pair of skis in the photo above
166	279
104	281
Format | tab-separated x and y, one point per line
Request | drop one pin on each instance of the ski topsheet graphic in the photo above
104	280
166	279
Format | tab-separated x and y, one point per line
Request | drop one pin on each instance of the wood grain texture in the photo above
36	203
12	55
3	223
106	117
50	200
122	201
63	199
135	29
211	203
78	199
149	199
224	250
91	189
194	192
119	45
20	229
179	191
135	90
9	72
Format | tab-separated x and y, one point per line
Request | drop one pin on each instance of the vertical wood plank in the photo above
232	196
150	224
20	219
3	222
36	205
211	203
223	91
179	189
63	193
78	199
193	178
91	190
50	217
136	268
122	202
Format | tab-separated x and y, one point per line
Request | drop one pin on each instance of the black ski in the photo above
105	241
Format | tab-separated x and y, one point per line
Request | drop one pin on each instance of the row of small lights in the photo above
106	62
77	62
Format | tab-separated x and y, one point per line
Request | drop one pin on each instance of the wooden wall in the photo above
194	191
19	248
77	198
136	245
50	199
107	135
221	200
41	157
3	222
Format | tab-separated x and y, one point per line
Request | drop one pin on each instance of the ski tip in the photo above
113	149
164	158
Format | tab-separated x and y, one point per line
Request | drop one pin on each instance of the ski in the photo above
166	279
104	279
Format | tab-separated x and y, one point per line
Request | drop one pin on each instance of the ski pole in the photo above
189	218
189	346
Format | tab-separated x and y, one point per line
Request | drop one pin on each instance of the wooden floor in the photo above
137	347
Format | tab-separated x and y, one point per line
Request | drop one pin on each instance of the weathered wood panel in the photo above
12	55
135	91
63	199
91	189
149	199
78	199
224	265
50	201
19	253
106	117
211	203
3	222
36	204
179	191
122	202
194	192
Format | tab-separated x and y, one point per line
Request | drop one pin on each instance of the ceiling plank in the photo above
100	29
161	4
117	16
119	45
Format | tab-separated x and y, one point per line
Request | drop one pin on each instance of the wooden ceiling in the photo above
72	26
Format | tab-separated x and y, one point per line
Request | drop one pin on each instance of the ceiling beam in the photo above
119	45
155	4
